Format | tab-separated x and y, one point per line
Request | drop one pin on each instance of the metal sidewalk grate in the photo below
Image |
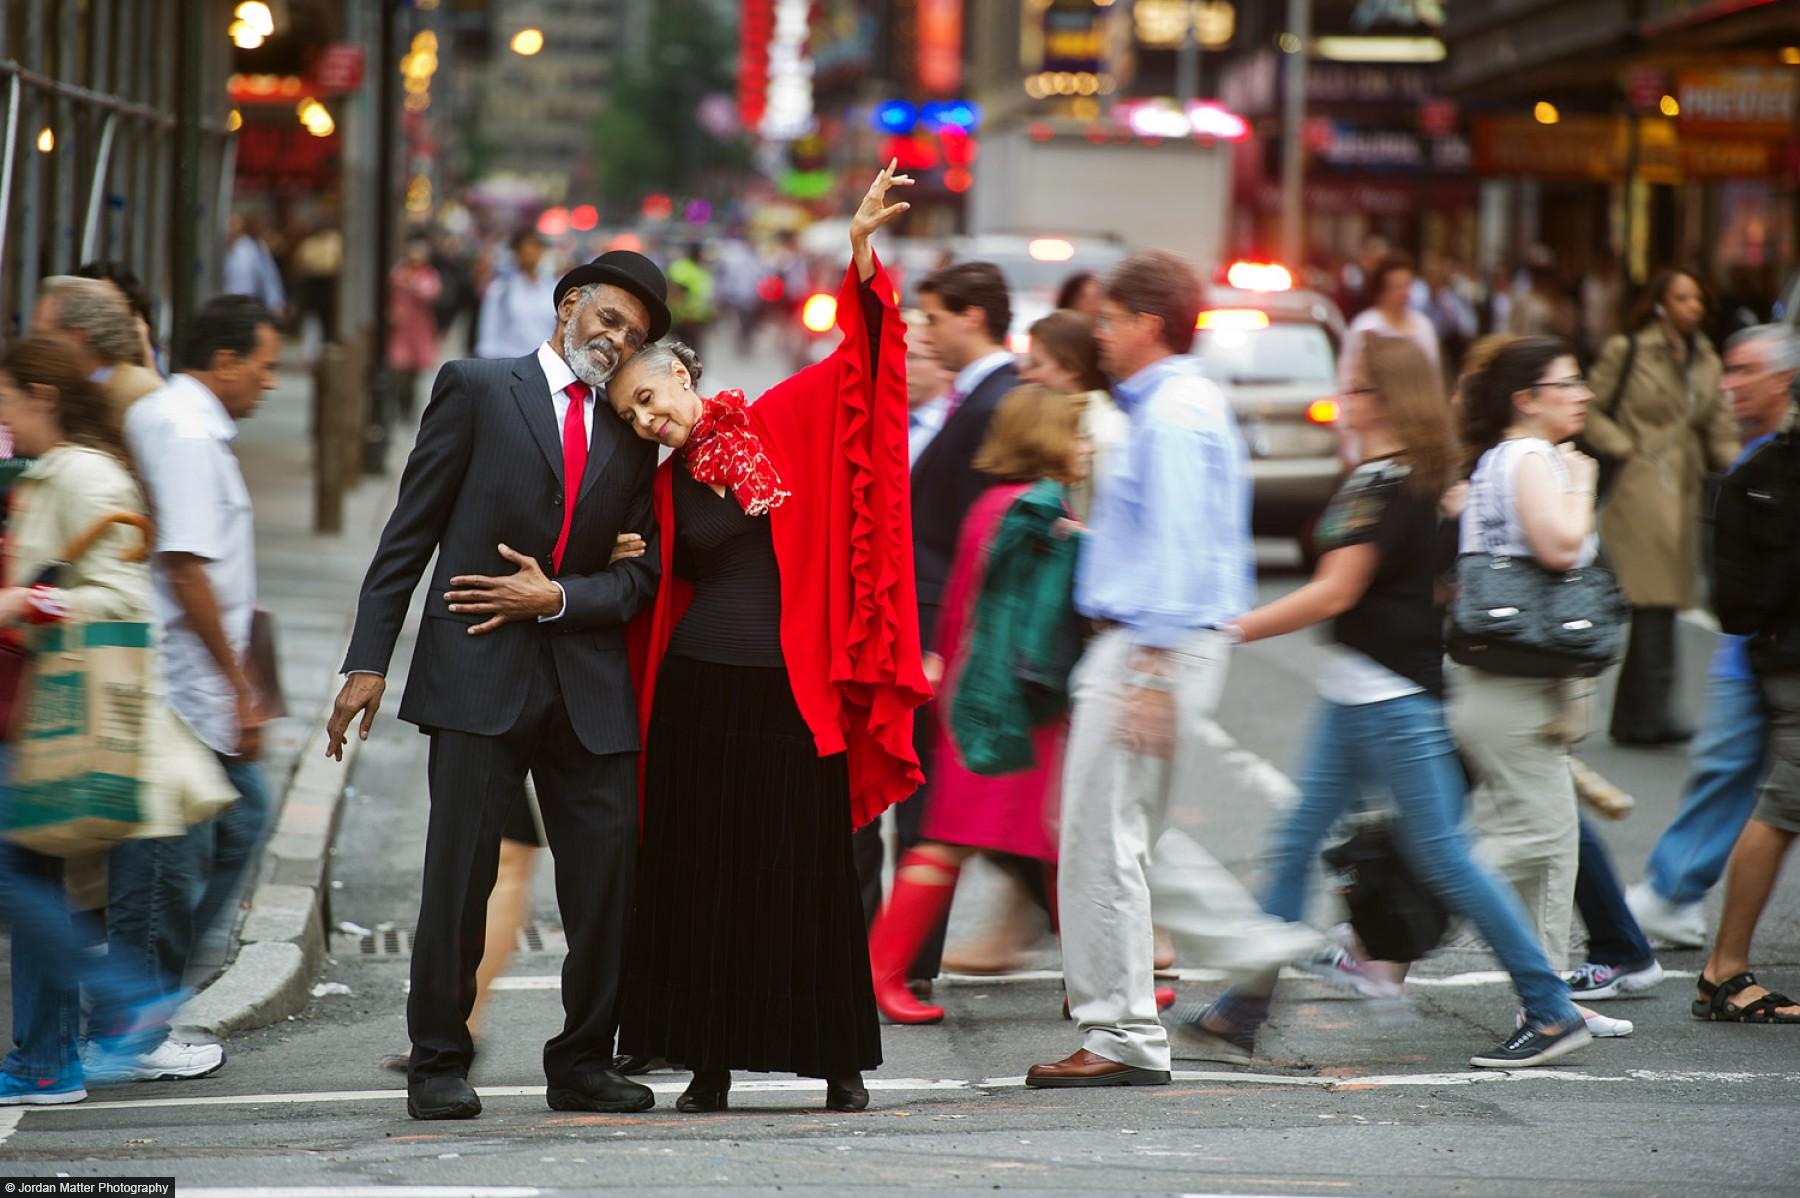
398	942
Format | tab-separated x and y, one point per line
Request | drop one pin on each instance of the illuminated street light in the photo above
1545	113
234	122
1671	106
46	140
256	14
527	42
244	35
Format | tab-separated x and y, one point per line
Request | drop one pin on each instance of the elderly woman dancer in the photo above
779	670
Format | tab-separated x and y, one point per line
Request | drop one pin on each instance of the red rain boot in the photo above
912	911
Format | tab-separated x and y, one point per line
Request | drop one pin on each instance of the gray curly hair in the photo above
666	353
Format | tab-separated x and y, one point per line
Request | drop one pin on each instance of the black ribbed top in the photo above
730	558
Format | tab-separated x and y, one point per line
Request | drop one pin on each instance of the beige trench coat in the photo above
1668	431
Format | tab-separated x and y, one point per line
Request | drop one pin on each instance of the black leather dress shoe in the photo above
442	1098
709	1091
604	1090
846	1093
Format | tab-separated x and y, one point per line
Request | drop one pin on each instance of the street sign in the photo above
338	69
1645	87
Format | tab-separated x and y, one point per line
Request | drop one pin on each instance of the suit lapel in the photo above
531	391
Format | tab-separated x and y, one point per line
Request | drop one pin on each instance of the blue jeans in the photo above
1726	764
50	965
230	844
164	894
1614	937
1403	746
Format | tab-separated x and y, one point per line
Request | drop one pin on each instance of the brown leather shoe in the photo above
1086	1068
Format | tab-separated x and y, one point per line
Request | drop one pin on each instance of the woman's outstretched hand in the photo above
872	213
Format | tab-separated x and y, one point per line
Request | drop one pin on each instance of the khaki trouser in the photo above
1512	733
1115	804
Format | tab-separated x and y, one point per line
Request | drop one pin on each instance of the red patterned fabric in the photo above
723	448
836	434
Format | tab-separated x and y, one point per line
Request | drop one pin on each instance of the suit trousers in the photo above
589	805
1115	810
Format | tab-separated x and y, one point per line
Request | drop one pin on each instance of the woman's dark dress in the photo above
748	949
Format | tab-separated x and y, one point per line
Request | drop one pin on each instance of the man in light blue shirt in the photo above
1167	559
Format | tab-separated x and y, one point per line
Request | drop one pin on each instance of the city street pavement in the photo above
1343	1099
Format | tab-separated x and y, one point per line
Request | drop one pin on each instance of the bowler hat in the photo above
632	271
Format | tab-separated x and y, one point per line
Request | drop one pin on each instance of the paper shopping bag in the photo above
78	759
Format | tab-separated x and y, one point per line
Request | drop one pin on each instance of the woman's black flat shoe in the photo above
846	1095
707	1092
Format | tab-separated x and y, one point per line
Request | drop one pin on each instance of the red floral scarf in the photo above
723	448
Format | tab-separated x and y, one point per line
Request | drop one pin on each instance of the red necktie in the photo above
575	451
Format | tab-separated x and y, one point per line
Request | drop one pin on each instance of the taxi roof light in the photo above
1259	276
1232	318
1050	249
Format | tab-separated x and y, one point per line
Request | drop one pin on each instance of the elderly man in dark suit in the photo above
515	468
968	312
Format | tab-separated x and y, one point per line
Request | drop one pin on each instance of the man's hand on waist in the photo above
525	595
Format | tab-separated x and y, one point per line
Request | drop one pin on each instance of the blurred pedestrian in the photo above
1661	424
1035	436
1531	497
203	571
1080	292
1728	756
927	390
81	474
691	295
1167	558
968	311
413	290
799	711
1756	593
93	319
1064	356
1380	718
318	261
1391	314
143	309
519	305
250	266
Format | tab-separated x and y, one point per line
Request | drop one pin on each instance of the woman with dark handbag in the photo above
1527	576
1663	424
1380	718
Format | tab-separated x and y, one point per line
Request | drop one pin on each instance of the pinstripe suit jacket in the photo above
487	469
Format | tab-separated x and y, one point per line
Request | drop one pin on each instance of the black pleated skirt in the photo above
747	949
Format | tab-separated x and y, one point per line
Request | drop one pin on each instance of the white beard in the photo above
594	363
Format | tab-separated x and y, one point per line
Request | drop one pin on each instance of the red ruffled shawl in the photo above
849	610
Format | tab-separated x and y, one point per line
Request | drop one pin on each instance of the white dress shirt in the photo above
180	438
976	372
923	423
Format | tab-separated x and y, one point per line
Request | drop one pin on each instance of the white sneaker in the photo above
169	1061
1679	925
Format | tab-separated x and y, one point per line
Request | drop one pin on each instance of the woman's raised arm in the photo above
871	214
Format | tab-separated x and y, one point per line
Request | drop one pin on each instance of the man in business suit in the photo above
516	467
968	312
